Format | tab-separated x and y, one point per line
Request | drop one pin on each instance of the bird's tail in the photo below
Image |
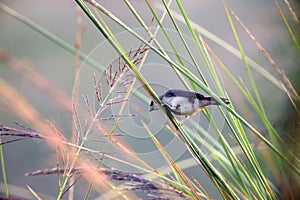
212	101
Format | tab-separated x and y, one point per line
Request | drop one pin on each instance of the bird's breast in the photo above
181	105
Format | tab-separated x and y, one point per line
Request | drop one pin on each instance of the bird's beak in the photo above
151	108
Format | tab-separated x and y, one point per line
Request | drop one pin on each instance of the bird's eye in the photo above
151	103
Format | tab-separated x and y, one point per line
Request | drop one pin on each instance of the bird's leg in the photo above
182	121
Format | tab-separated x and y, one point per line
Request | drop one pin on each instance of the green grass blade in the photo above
185	44
194	36
256	167
200	157
288	26
228	47
172	46
198	83
5	185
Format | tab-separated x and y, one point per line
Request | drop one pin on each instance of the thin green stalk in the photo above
106	147
258	170
159	21
185	44
5	185
288	26
245	143
153	36
250	99
172	46
213	74
205	56
230	160
222	159
228	47
194	36
198	83
193	147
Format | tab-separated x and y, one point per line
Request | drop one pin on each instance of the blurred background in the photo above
57	66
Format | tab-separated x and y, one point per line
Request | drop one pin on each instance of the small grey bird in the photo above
186	103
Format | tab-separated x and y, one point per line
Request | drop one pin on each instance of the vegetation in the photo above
240	159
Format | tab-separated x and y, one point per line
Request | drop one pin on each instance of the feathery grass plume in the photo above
89	126
132	182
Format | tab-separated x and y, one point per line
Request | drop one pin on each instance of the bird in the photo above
181	102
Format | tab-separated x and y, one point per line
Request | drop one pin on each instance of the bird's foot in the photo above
182	121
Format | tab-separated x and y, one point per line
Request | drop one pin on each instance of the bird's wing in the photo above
187	94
